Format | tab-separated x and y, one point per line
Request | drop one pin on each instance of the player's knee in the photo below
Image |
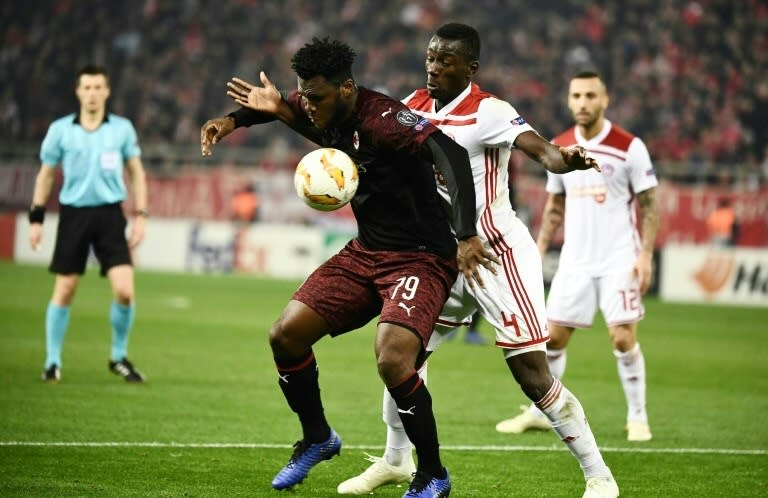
623	338
279	340
392	368
124	295
558	337
623	343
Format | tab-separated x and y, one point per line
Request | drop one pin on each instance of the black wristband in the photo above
233	115
37	214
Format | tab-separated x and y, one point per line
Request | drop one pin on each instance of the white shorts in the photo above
574	298
512	302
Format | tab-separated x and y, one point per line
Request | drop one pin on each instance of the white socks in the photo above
631	366
565	413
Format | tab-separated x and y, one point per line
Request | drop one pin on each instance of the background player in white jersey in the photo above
512	300
604	262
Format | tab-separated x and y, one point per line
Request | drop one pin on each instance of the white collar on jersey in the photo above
453	103
597	138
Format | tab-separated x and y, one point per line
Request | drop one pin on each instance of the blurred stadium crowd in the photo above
689	77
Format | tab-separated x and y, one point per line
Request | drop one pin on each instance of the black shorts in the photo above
357	285
80	228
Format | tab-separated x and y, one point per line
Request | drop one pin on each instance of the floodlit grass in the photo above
211	420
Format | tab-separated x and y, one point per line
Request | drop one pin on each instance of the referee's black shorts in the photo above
80	228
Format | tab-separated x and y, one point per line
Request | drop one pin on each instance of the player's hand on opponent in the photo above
576	158
214	130
259	98
470	255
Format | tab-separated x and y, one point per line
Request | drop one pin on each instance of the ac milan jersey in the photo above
487	127
396	205
600	233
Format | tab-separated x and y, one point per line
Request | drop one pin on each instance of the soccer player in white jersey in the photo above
604	262
512	300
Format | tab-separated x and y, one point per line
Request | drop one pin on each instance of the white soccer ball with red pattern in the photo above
326	179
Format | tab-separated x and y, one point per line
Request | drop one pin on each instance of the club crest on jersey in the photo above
518	121
407	118
356	140
607	169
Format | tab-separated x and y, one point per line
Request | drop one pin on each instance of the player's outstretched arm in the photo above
265	100
260	104
553	158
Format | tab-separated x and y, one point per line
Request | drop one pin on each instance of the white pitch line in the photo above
157	444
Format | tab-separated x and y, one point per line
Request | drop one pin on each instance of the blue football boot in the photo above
305	456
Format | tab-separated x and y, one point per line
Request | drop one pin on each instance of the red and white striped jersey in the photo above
487	127
600	232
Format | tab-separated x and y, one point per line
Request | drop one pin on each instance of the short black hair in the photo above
329	58
467	35
92	69
586	74
589	73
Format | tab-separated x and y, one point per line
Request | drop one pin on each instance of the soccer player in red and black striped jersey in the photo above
401	265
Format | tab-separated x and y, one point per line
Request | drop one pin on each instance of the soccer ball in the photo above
326	179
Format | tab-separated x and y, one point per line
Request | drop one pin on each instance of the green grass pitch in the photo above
211	421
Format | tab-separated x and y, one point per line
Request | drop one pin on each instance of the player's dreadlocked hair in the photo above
470	39
329	58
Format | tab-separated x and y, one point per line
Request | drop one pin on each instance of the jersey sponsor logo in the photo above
283	378
384	114
518	121
599	192
407	118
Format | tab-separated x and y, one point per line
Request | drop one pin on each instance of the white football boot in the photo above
638	431
601	487
378	474
526	421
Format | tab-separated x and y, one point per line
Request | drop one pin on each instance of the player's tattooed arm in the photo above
551	221
650	218
643	269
